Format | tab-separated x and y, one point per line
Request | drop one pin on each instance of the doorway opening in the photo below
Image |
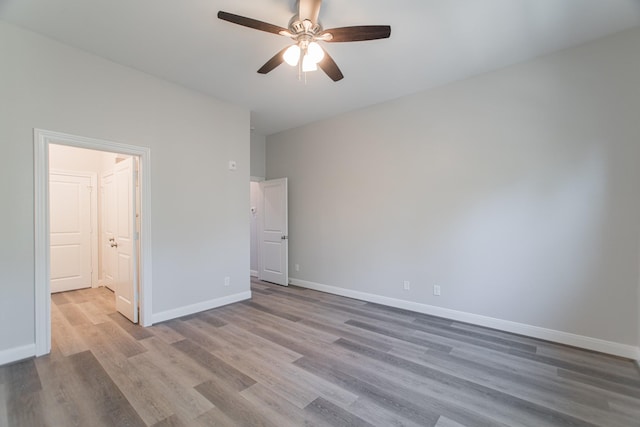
57	242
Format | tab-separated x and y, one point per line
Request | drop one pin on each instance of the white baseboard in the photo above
17	353
253	273
567	338
201	306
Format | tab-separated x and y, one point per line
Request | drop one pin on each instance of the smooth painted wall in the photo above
515	191
258	155
199	224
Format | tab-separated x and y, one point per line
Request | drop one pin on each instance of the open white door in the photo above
109	225
70	227
273	232
124	241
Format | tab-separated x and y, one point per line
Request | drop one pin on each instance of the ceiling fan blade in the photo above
251	23
329	66
277	59
309	9
358	33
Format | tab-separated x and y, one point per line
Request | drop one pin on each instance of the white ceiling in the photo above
433	42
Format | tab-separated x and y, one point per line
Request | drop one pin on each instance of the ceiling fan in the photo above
306	31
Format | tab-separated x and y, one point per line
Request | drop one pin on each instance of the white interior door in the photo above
125	268
273	232
70	227
109	224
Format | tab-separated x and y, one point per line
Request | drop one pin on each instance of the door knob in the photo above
284	237
114	244
111	239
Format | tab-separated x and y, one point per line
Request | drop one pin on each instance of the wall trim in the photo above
201	306
17	353
253	273
560	337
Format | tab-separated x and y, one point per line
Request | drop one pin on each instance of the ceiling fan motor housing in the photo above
299	27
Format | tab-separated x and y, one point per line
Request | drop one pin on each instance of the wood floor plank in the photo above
140	391
381	395
4	420
302	378
543	388
119	339
530	411
277	409
60	298
64	397
93	312
334	415
21	390
446	422
116	409
165	333
603	384
186	403
369	411
271	311
233	405
73	314
580	369
221	369
136	331
172	421
554	395
404	336
213	418
299	395
66	337
187	371
193	334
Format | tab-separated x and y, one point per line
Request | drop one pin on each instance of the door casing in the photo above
41	140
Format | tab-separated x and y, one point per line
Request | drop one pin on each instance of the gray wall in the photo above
515	191
199	208
258	155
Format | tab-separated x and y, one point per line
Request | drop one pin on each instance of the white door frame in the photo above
41	141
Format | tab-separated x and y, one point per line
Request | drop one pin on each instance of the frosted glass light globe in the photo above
292	55
315	52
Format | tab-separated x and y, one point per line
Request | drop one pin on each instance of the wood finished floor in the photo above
294	357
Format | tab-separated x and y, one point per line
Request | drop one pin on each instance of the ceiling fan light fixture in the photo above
308	64
292	55
315	52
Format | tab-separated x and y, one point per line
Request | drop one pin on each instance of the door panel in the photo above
70	227
126	286
274	243
109	224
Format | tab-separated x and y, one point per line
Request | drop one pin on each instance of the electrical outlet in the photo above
407	285
227	281
436	290
297	267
